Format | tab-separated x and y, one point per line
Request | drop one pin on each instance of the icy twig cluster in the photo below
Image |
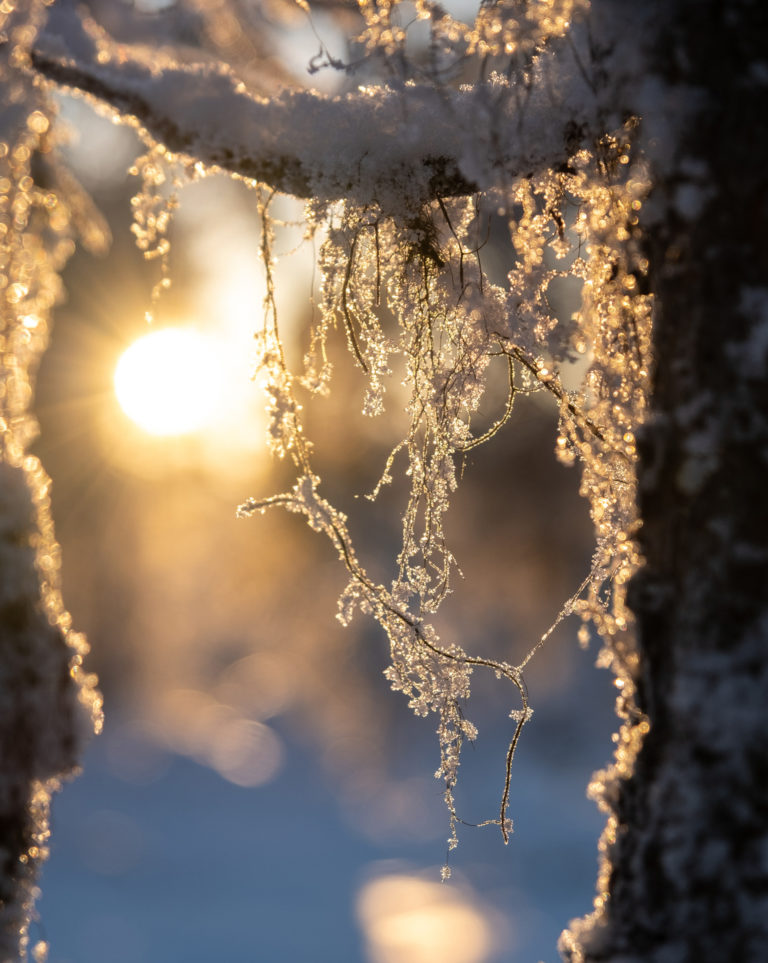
423	258
48	703
406	180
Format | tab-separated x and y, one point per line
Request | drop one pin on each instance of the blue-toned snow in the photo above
188	868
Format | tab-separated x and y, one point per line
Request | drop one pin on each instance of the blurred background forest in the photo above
259	793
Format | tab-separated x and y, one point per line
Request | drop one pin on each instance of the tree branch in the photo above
385	145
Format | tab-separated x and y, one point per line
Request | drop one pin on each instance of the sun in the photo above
169	381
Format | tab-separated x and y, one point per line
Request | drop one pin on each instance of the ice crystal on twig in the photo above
48	702
422	257
402	204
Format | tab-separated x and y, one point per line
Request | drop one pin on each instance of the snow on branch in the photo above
412	142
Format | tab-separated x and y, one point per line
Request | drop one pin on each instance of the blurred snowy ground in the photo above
167	862
259	794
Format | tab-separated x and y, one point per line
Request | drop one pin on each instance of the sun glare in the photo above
168	381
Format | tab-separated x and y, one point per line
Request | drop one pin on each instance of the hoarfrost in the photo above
48	702
403	179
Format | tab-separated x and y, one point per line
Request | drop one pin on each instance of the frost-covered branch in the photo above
412	142
293	143
48	702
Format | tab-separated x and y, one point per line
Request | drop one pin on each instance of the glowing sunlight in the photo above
407	919
168	382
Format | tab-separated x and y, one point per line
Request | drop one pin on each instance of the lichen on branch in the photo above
49	704
405	180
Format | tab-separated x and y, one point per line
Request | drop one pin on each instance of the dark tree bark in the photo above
689	878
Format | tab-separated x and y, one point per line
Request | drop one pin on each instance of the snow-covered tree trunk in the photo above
48	703
687	871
